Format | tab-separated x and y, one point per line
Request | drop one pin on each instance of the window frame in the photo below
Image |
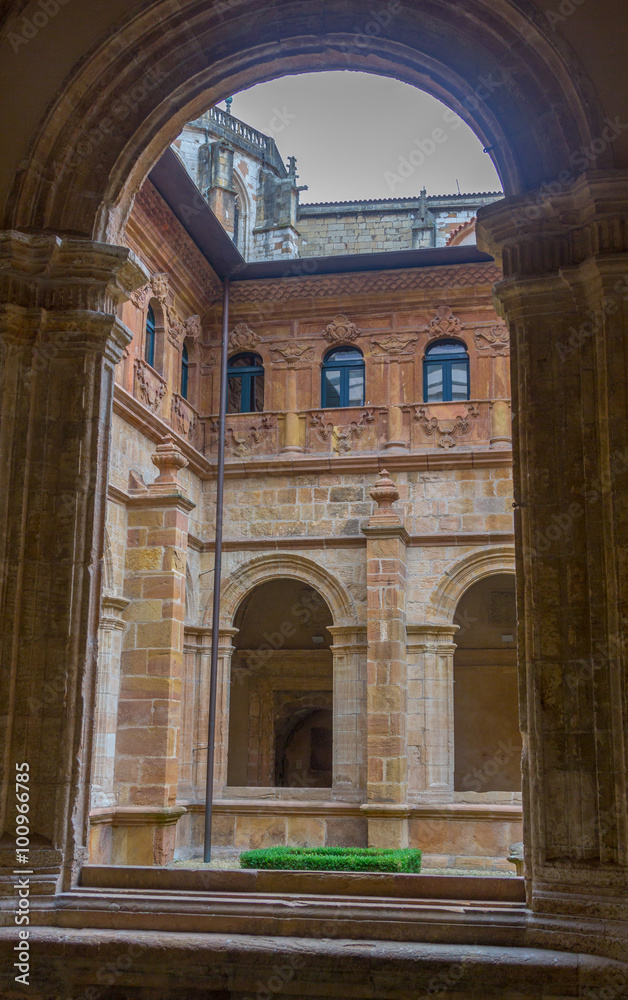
446	364
150	337
185	372
246	376
344	367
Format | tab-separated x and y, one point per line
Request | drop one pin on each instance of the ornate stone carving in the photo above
150	388
384	492
341	435
291	353
241	445
184	417
341	330
242	338
139	296
394	344
444	324
208	358
160	284
168	458
193	328
494	342
446	430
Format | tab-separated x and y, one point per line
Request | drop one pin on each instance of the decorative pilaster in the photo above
386	670
147	742
565	296
431	713
60	339
349	651
112	625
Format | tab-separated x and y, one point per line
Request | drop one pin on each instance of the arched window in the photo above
245	373
343	377
445	372
185	364
149	347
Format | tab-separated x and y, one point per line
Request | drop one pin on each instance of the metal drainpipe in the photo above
220	482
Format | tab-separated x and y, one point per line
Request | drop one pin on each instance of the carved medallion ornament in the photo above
446	431
193	327
341	330
493	342
444	324
242	445
160	284
395	344
291	353
242	338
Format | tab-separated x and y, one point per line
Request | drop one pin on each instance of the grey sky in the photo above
355	135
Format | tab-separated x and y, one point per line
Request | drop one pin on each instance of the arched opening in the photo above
245	387
487	739
446	372
343	378
280	732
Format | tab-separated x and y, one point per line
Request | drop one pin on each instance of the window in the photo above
185	364
343	378
445	372
245	373
149	347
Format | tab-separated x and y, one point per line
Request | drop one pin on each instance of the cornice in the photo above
365	283
300	542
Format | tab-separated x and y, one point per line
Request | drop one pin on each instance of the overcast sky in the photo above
356	135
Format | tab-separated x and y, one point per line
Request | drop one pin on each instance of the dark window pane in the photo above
445	349
332	387
257	393
343	354
234	395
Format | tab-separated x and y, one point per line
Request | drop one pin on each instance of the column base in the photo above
387	825
134	835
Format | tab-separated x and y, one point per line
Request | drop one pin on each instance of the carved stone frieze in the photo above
394	344
444	324
446	431
242	444
242	338
342	436
493	342
184	417
150	388
291	353
341	330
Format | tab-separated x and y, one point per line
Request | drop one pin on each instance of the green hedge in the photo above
334	859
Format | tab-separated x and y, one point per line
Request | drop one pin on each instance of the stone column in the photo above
386	671
431	713
202	634
349	653
501	430
292	440
565	296
147	741
60	339
112	625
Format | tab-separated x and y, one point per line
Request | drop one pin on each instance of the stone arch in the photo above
462	574
283	564
496	63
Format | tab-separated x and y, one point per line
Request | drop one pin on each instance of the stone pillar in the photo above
202	637
147	742
349	651
386	540
112	625
60	339
431	713
292	439
221	193
565	296
501	431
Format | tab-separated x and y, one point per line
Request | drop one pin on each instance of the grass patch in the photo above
334	859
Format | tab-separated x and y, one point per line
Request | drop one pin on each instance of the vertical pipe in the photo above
220	483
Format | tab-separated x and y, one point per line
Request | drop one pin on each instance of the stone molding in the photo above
137	815
324	286
291	353
288	564
464	572
393	345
